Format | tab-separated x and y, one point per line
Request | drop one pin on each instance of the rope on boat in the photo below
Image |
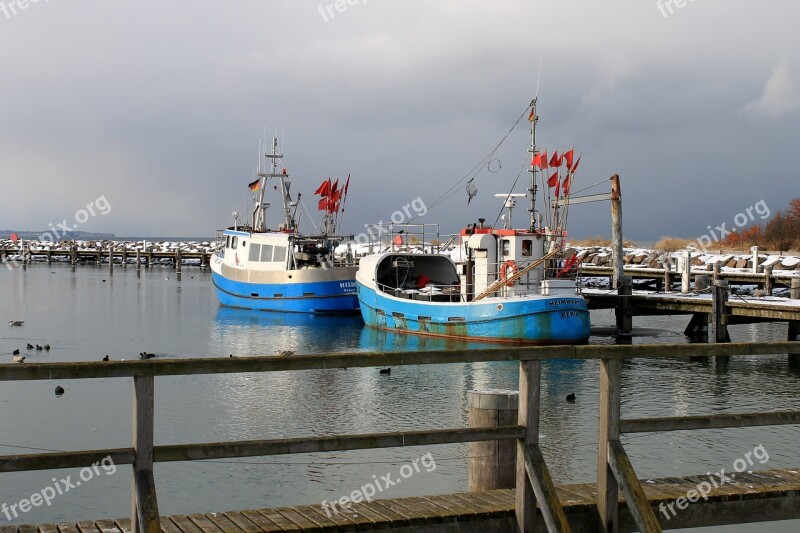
511	279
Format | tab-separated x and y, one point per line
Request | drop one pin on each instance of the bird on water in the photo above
571	397
386	370
15	322
19	358
106	358
38	348
29	346
15	352
47	347
59	390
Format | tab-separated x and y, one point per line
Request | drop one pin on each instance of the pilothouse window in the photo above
527	247
266	253
235	242
280	254
255	252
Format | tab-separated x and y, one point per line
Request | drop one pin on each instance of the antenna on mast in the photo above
533	118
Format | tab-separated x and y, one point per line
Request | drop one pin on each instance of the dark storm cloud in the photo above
159	107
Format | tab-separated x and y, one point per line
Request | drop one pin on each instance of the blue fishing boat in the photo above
509	286
283	269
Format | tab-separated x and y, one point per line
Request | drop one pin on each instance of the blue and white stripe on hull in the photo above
301	297
524	320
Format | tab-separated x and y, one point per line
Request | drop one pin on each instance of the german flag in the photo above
256	185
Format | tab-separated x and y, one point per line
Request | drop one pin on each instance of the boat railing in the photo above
421	238
431	292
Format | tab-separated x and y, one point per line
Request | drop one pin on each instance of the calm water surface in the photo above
91	312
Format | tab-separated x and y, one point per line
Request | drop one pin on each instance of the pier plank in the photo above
279	520
47	528
411	518
311	514
389	515
124	524
492	510
266	525
87	526
67	527
242	522
185	524
223	523
341	522
108	526
203	523
424	507
302	522
8	529
378	520
168	526
28	529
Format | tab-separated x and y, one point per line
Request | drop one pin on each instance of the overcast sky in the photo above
158	107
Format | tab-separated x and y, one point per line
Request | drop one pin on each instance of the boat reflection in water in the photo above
281	333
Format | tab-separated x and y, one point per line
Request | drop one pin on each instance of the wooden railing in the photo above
534	483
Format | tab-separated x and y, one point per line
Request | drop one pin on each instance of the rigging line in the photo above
524	164
308	214
478	166
590	186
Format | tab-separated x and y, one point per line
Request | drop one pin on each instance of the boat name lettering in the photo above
557	303
569	314
347	285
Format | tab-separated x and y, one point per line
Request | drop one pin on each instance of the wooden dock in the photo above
538	504
747	498
109	255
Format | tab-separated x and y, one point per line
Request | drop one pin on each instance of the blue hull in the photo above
324	297
542	320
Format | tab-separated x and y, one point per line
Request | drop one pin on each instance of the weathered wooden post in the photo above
794	291
492	464
178	262
111	258
719	319
124	255
686	271
754	251
73	255
667	275
768	280
149	257
138	260
617	255
623	311
144	503
701	283
715	277
608	431
533	479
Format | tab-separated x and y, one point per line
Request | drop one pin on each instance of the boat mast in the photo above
533	188
282	176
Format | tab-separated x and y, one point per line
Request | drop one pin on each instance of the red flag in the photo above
324	189
537	161
553	181
568	156
578	162
532	116
567	183
323	204
544	159
558	188
555	161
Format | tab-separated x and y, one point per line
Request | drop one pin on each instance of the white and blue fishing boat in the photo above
510	285
282	269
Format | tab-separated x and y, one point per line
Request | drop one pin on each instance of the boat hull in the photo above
329	291
523	320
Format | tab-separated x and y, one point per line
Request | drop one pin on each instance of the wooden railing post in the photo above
144	504
608	430
530	373
533	478
623	311
719	319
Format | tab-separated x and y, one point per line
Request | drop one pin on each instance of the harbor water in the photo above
88	312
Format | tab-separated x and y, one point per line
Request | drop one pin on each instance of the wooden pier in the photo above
119	255
538	504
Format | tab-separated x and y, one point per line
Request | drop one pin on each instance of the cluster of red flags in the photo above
331	195
566	158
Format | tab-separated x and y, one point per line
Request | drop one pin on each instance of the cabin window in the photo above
280	254
255	252
244	243
527	248
234	242
506	247
266	253
227	241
